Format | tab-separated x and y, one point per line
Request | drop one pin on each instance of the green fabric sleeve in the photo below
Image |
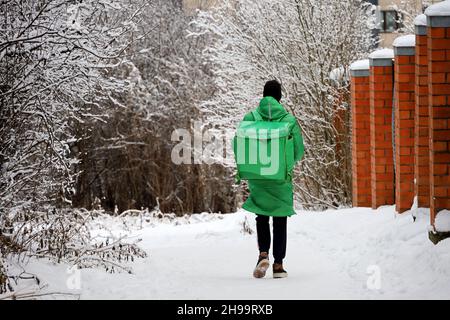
299	148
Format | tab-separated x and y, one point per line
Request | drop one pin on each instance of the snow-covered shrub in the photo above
126	159
407	13
90	92
56	58
246	228
4	283
64	235
299	43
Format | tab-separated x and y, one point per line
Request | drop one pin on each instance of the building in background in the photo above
191	5
395	18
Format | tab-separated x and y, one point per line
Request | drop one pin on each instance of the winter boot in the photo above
278	271
262	265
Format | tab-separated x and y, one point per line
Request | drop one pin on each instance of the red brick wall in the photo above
421	134
439	112
422	122
360	103
382	164
404	67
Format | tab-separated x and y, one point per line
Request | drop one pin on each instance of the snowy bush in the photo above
4	283
407	13
56	58
55	61
299	43
90	92
126	160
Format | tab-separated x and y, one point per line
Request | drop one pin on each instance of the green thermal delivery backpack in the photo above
264	150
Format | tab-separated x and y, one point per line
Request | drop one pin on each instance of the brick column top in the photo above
420	24
405	45
438	15
381	58
360	68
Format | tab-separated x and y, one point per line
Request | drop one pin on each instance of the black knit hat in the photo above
272	88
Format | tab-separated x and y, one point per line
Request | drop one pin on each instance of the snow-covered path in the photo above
331	255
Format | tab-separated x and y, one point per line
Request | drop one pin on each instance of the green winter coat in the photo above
274	198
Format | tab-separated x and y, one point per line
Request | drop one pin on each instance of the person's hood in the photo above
270	108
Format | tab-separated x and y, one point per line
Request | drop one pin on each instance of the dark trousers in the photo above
279	236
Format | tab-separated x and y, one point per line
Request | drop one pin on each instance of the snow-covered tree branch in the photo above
56	58
299	43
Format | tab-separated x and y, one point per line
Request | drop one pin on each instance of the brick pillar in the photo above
438	37
421	134
360	106
404	70
381	155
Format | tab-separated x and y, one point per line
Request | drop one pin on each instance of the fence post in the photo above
360	113
381	154
404	70
421	132
438	44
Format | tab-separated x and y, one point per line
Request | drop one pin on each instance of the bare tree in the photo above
408	11
56	58
126	160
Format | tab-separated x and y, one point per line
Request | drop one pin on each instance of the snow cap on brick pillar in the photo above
420	25
360	106
421	125
438	37
404	70
381	155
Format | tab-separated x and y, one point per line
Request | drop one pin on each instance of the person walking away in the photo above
273	198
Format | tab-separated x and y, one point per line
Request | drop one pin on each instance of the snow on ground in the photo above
338	254
442	222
